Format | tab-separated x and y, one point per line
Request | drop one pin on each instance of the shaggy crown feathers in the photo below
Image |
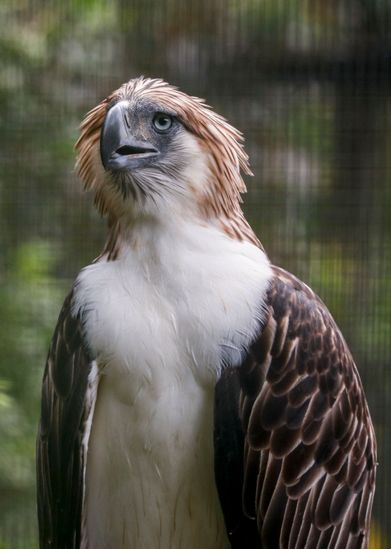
223	144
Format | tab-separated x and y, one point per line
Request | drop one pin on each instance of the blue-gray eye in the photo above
162	122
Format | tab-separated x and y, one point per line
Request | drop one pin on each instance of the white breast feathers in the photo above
177	305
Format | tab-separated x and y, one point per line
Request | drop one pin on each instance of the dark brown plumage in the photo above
60	453
309	449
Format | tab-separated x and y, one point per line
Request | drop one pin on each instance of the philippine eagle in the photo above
195	396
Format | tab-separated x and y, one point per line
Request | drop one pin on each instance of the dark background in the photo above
308	82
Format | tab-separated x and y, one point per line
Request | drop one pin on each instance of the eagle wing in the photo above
66	403
304	456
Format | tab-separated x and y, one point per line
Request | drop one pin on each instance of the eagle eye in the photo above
162	122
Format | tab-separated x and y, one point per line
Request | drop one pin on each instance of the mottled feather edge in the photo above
305	449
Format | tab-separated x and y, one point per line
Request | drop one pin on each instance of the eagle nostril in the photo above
127	150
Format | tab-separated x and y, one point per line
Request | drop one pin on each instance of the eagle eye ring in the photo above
162	122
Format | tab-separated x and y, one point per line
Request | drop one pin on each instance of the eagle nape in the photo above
194	395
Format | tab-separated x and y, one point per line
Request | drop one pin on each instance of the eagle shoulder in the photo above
308	458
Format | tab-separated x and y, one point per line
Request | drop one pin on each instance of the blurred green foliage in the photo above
307	82
29	300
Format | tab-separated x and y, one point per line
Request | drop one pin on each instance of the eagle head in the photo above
149	148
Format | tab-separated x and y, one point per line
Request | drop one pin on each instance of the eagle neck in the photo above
124	232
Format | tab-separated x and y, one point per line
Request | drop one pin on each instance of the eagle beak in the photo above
119	150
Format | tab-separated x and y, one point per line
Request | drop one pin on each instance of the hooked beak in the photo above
119	150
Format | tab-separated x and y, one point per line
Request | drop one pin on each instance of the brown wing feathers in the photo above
59	444
309	456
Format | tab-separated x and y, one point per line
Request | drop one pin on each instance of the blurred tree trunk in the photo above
361	89
178	38
359	154
359	185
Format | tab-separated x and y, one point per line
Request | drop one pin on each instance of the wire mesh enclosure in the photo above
308	82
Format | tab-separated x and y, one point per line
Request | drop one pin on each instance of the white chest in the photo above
159	319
